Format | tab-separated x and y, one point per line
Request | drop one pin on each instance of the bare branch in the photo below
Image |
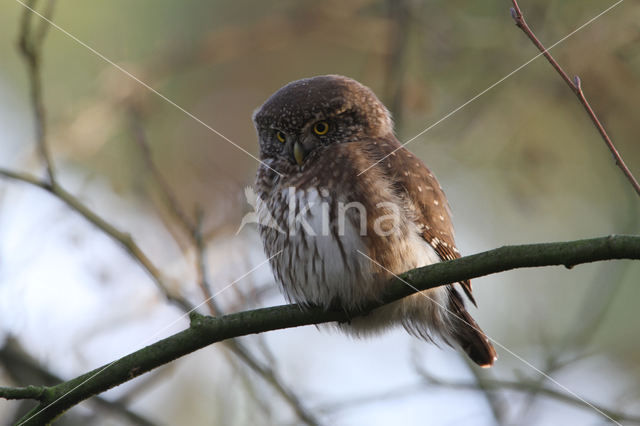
494	402
576	87
399	13
168	195
122	238
30	45
525	386
29	392
204	331
485	385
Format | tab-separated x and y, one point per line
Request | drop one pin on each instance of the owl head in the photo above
307	116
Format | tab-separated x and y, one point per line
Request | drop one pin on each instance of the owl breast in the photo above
312	259
321	251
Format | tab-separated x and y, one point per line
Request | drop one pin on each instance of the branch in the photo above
30	45
496	405
29	392
576	87
165	190
204	331
524	386
484	385
122	238
399	13
21	368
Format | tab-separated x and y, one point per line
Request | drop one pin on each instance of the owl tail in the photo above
468	334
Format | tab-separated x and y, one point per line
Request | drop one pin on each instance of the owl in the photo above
343	206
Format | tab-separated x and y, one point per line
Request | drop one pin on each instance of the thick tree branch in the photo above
576	87
204	331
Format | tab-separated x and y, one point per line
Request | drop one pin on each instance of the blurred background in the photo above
520	164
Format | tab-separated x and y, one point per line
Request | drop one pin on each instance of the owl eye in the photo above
280	136
321	128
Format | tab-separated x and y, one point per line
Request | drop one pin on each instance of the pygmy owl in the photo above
343	206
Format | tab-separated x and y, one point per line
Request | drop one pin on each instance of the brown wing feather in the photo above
413	179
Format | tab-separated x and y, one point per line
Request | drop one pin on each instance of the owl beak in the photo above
298	153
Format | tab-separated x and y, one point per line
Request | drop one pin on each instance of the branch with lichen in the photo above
204	331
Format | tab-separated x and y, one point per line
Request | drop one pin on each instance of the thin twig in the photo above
399	13
43	29
525	386
401	391
192	230
168	195
429	381
201	261
495	404
30	45
122	238
576	87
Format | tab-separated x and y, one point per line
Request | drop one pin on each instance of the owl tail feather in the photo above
468	334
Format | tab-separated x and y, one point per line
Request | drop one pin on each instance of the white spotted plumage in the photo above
355	159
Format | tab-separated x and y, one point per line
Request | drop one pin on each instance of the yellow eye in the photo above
321	128
280	136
